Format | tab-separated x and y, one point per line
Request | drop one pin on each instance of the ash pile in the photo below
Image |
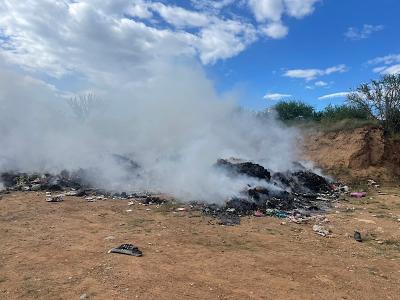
298	193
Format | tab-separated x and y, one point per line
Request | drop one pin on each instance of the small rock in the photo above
109	238
83	297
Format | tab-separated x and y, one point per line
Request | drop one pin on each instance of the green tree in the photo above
294	110
381	99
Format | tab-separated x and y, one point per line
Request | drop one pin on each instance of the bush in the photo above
343	112
381	99
294	110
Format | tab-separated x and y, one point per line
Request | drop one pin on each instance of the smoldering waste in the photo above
296	192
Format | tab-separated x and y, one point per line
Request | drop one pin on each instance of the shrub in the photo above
381	99
294	110
337	113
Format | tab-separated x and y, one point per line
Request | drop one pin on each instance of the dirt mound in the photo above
354	154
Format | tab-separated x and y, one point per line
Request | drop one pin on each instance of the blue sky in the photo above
265	50
318	41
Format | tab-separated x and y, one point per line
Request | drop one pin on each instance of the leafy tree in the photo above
381	99
294	110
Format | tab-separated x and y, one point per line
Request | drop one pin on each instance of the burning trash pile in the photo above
292	194
295	194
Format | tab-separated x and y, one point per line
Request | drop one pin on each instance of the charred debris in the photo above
299	192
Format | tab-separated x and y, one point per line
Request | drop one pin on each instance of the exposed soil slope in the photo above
354	154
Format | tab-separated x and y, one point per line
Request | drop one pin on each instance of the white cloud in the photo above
269	14
391	70
103	40
181	17
267	10
389	64
311	74
275	30
213	5
387	60
273	10
300	8
365	32
334	95
276	96
321	83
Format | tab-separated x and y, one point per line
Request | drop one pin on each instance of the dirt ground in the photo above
59	251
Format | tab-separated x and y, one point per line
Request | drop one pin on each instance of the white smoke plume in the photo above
175	127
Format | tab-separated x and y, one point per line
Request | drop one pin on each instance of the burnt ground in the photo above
59	251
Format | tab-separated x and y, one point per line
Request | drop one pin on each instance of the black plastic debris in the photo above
357	236
239	167
127	249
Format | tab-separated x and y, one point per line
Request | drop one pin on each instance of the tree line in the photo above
376	102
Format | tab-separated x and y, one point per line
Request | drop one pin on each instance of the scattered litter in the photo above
276	213
358	194
56	198
321	230
129	210
181	209
36	187
109	238
130	203
357	236
71	193
259	214
366	221
127	249
90	199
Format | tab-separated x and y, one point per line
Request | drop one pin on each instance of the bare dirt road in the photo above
59	251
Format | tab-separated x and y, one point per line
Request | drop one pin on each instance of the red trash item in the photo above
358	194
259	214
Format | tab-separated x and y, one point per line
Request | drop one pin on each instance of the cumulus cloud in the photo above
354	33
275	30
334	95
389	64
98	36
269	13
311	74
276	96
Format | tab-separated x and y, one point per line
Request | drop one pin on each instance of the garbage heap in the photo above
298	192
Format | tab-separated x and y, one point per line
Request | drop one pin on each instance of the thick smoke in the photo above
174	126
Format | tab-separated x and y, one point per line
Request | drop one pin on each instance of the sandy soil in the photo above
59	251
352	155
